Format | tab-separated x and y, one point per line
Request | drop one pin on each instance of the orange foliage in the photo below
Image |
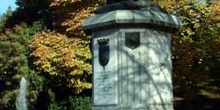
169	5
69	15
64	54
66	59
215	9
194	45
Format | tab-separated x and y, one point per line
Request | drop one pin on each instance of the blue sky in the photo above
4	4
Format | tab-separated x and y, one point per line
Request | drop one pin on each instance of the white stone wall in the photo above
136	78
105	84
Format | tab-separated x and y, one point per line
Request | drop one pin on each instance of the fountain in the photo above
21	101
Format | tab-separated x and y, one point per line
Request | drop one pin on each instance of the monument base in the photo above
131	47
153	107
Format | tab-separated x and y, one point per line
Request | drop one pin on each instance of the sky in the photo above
4	4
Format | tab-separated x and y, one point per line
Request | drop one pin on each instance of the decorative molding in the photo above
103	41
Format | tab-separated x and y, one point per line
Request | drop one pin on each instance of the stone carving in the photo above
103	51
105	88
132	56
132	39
115	1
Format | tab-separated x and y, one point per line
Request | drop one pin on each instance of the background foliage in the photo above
65	60
64	54
195	47
15	64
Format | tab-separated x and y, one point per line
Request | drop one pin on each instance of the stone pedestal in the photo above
131	52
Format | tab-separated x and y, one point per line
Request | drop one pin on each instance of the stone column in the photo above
131	49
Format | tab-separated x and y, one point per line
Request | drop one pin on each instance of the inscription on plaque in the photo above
105	88
105	92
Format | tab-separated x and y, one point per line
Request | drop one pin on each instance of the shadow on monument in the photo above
143	75
144	72
139	79
136	73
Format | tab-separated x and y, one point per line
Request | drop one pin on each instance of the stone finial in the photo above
115	1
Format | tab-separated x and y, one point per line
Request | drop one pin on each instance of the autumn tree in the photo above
65	60
14	57
64	54
215	11
195	46
73	14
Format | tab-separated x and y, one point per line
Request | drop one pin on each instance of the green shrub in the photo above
80	103
14	64
72	103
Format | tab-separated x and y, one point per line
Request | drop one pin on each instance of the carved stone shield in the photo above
132	39
103	51
104	55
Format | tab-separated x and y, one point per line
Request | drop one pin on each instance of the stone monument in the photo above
131	49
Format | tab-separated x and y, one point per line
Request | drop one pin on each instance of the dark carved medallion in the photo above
132	39
103	51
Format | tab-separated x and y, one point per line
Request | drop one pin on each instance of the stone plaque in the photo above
105	91
105	76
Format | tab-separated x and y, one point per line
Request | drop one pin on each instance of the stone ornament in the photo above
103	52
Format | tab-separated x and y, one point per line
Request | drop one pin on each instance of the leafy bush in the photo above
14	57
72	103
63	60
80	103
69	103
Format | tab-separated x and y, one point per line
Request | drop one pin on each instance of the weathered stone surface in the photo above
132	18
135	78
134	72
144	73
105	87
